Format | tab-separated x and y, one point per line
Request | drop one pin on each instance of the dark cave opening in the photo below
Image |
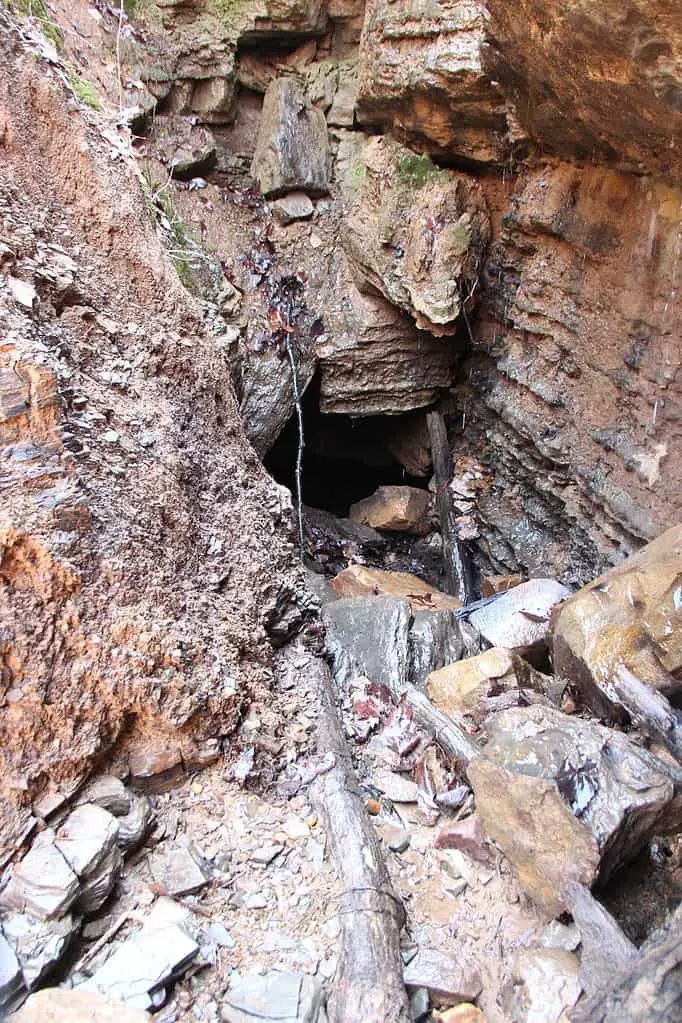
345	457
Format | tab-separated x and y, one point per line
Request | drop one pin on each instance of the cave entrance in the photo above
345	457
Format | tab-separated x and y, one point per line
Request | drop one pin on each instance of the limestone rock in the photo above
462	687
423	78
39	945
631	616
134	826
176	871
291	207
86	837
519	618
395	509
188	150
109	792
156	767
43	883
444	976
438	638
147	961
361	581
284	997
373	360
396	787
11	982
292	152
566	799
416	234
547	985
98	884
56	1005
369	636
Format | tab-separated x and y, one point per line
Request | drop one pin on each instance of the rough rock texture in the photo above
580	300
373	360
416	234
128	487
53	1005
292	152
463	687
396	509
519	619
631	616
361	581
422	77
186	149
566	799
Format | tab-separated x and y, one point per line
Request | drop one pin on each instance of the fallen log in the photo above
648	709
450	736
605	949
647	989
457	570
368	985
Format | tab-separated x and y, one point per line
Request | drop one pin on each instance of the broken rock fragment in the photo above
415	233
55	1005
396	509
447	980
86	837
43	884
285	997
292	152
547	985
176	871
519	618
39	945
362	581
11	981
464	687
567	800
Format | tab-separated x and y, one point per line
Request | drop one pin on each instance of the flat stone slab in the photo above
519	618
43	884
176	871
445	978
86	837
54	1005
38	944
284	997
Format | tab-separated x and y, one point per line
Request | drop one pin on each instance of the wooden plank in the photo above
368	985
457	570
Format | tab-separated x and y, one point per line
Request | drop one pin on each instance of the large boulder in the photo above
519	619
292	152
416	234
374	361
395	509
566	799
629	617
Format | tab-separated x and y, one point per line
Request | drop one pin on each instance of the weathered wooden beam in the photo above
450	736
368	985
457	570
646	989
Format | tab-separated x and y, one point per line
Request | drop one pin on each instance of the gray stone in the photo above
110	793
292	152
396	787
86	838
519	618
38	944
43	883
285	997
295	206
446	979
558	935
185	148
420	1003
218	932
147	961
98	885
369	636
134	826
11	981
438	638
176	871
266	854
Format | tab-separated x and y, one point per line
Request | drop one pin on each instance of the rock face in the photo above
186	149
292	153
566	799
373	360
396	509
577	301
630	617
423	78
416	234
